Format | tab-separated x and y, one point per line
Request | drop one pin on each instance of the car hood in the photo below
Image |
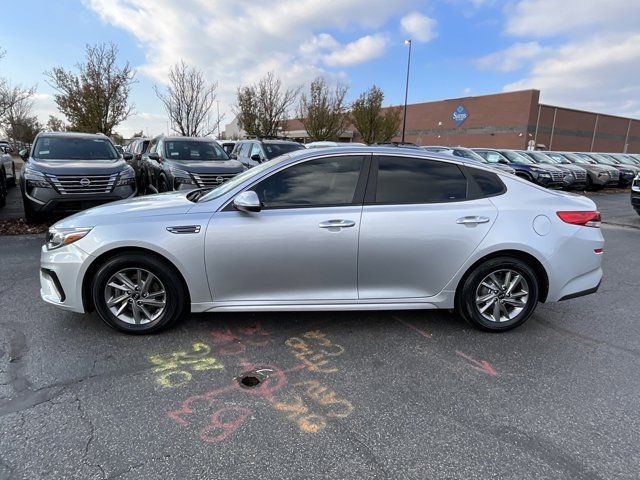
172	203
77	167
199	166
569	166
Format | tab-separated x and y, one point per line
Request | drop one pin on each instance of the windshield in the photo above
238	179
517	157
557	157
541	158
579	158
470	154
70	148
273	150
194	150
601	159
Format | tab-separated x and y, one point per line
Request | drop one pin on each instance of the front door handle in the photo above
337	224
472	220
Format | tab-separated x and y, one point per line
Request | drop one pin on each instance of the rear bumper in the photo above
582	293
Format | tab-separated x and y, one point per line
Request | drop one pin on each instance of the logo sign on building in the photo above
460	115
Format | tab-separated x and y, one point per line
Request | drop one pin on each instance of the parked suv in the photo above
626	172
598	176
185	163
574	176
7	165
252	152
69	172
635	194
545	175
137	148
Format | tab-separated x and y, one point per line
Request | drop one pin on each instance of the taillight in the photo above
586	219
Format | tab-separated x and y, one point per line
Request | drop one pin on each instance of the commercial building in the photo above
509	120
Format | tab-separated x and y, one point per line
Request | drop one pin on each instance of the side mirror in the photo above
154	156
256	157
233	156
127	156
24	154
503	161
247	201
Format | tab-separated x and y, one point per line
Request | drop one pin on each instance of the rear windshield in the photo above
69	148
194	150
273	150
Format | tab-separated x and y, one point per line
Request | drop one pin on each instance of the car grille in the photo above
614	175
557	176
212	179
83	184
580	175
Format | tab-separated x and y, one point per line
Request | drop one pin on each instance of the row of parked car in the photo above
69	172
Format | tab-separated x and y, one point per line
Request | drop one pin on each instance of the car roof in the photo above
175	138
73	135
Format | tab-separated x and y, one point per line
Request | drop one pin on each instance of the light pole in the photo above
406	89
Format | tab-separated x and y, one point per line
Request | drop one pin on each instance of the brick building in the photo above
509	120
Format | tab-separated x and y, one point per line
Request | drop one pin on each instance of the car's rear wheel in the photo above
499	294
138	294
3	190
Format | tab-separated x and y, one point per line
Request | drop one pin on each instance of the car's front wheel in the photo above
499	294
138	293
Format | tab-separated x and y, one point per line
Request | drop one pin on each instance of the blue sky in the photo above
580	54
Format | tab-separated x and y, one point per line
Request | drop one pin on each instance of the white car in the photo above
348	228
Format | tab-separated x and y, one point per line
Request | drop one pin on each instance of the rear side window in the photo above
405	180
489	183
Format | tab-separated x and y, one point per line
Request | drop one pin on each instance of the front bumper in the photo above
45	200
61	274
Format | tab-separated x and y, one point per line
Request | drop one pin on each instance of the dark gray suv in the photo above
254	151
69	172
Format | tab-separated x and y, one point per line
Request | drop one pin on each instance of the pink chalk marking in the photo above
482	366
222	428
415	329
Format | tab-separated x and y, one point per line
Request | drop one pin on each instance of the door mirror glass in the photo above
247	201
24	154
256	157
154	156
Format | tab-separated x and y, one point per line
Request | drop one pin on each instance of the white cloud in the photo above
235	42
587	53
419	27
362	50
512	58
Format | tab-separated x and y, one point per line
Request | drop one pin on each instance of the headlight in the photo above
182	177
58	237
35	178
127	177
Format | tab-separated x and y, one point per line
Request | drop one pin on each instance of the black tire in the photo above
525	176
162	185
3	190
13	181
468	290
175	298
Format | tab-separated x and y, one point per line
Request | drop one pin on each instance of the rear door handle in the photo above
472	220
337	224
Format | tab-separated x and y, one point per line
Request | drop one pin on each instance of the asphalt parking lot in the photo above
343	395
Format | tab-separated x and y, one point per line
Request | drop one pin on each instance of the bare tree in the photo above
11	95
263	107
322	111
20	124
189	100
374	125
97	98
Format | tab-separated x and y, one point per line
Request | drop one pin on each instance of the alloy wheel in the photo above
135	296
502	295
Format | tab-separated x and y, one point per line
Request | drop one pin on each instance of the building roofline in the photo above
591	112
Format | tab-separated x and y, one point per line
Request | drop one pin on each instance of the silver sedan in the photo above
349	228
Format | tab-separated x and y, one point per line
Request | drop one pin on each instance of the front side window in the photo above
494	157
323	182
255	150
70	148
404	180
194	150
244	150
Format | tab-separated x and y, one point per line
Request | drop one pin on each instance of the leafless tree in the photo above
11	95
369	119
322	111
20	125
97	98
263	107
55	124
189	99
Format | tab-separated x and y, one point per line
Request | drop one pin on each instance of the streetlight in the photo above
406	89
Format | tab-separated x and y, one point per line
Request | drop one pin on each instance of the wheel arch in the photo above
533	262
87	302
